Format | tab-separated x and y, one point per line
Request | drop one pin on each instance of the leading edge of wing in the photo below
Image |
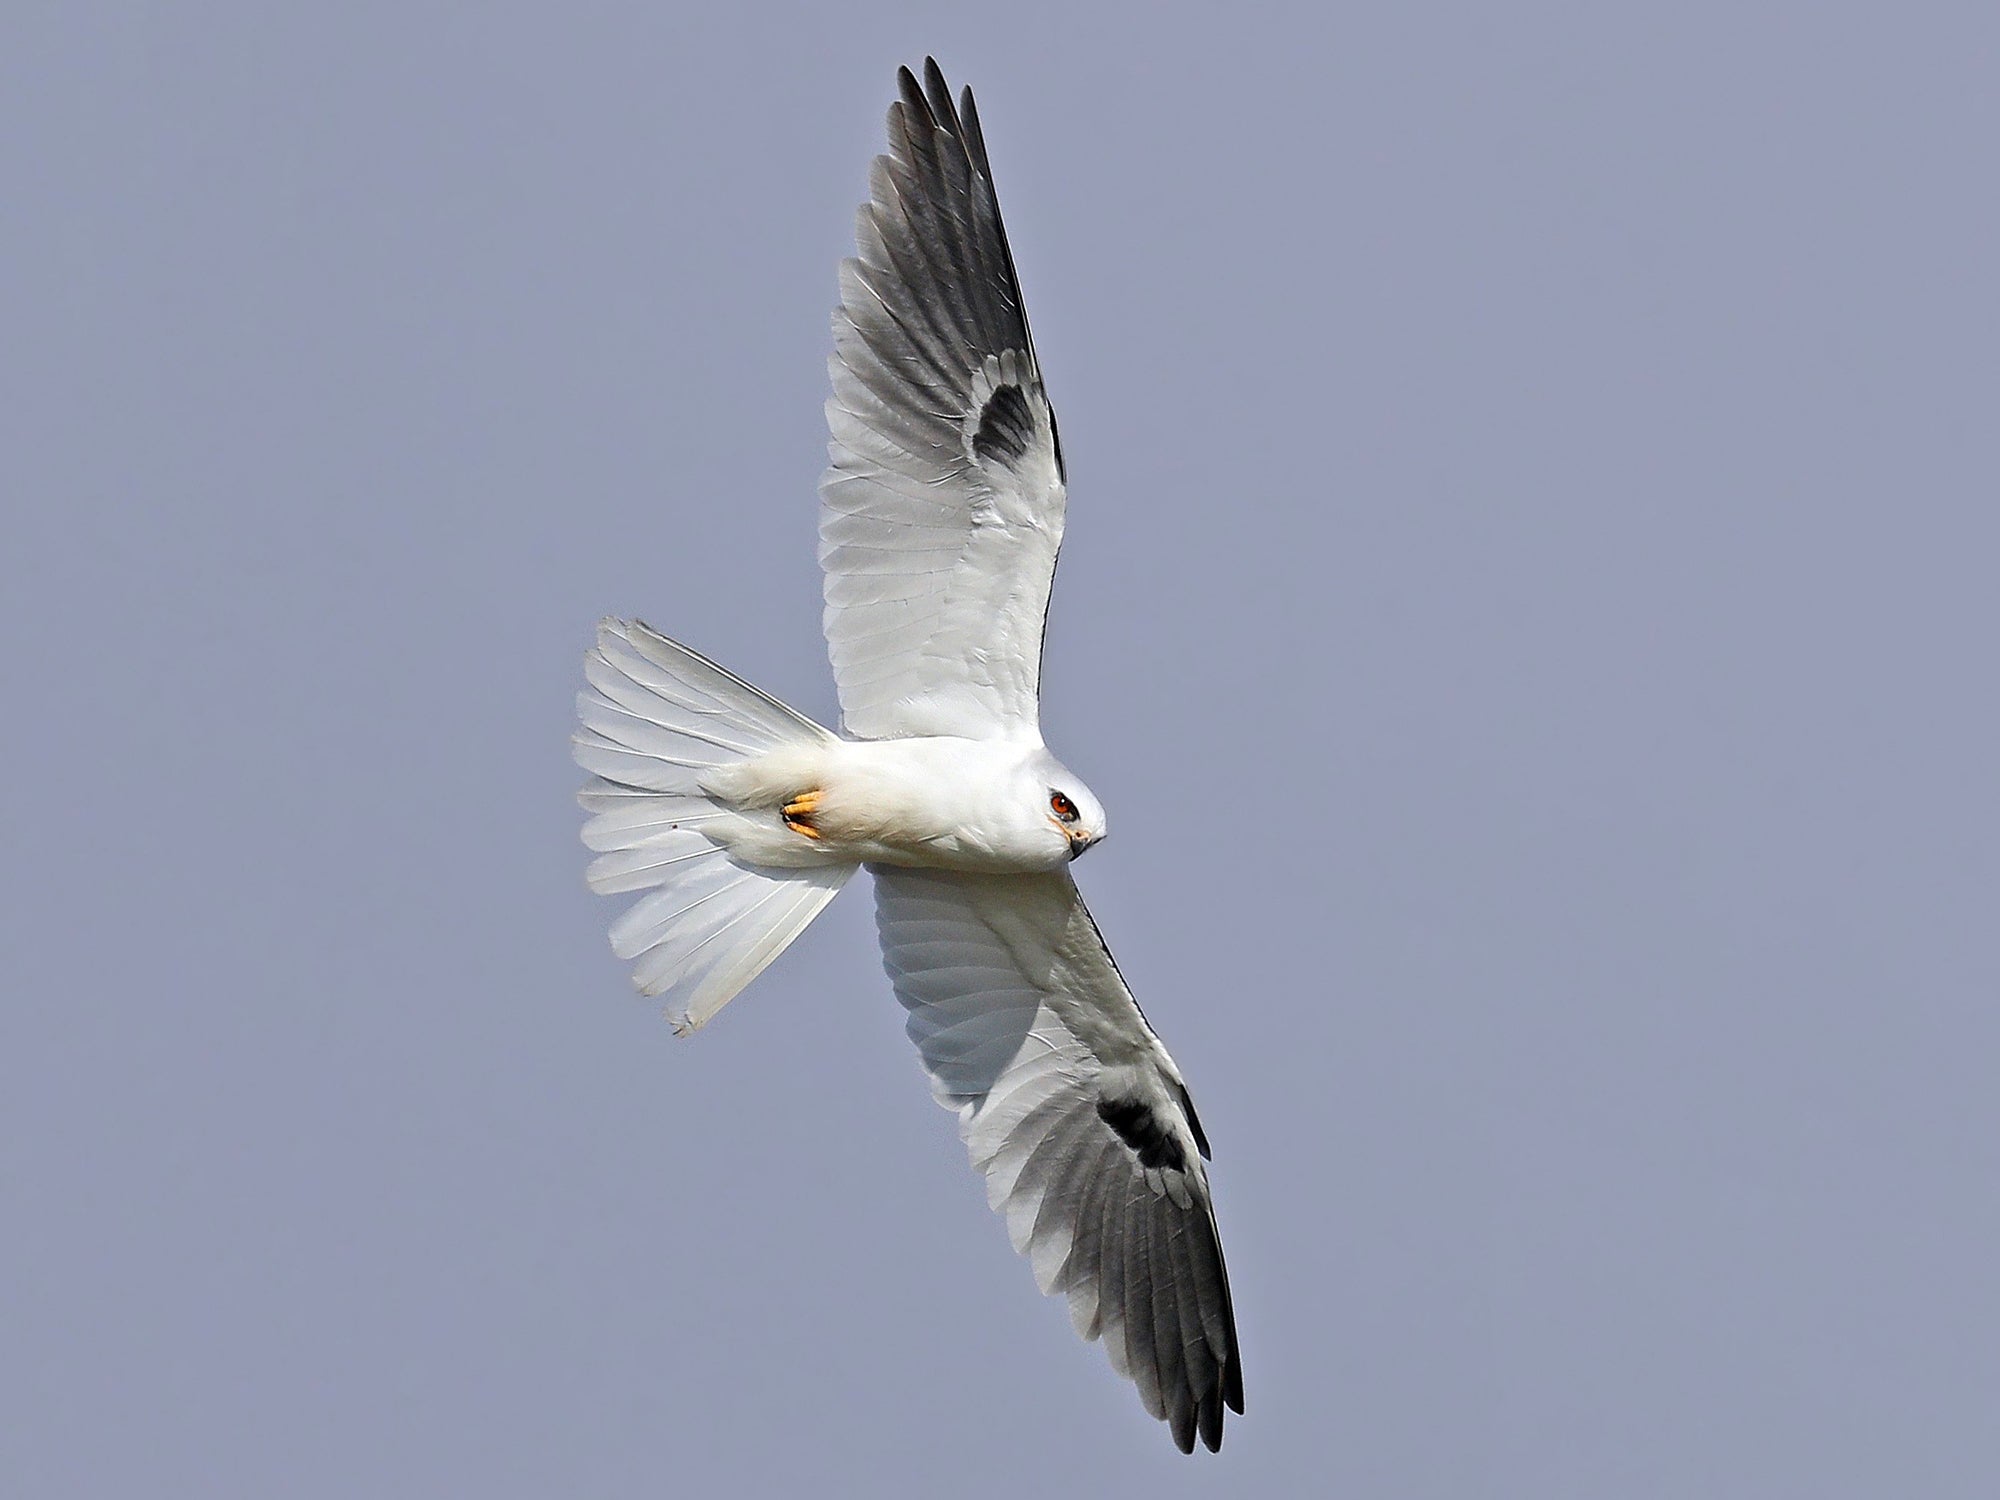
1074	1112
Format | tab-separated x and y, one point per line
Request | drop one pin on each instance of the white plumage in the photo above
740	819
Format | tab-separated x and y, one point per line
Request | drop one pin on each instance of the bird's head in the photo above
1068	806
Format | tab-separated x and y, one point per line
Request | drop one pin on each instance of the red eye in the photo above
1062	807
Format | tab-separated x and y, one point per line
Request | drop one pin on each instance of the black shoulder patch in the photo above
1138	1127
1006	427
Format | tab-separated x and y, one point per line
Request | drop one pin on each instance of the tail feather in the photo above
646	815
682	707
656	716
639	864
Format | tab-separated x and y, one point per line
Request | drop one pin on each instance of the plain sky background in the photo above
1530	608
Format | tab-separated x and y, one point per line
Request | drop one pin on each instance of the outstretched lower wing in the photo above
1079	1119
942	512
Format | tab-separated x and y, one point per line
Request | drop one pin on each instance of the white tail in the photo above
655	716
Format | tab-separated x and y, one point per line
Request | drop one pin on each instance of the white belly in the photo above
937	803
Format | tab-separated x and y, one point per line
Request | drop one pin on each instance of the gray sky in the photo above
1529	609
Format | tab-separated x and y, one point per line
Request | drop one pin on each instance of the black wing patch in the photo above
1006	427
1150	1138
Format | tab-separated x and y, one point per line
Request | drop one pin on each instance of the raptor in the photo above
738	819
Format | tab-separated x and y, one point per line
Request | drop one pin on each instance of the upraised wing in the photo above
942	512
1079	1119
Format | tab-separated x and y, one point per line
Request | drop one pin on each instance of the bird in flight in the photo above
940	519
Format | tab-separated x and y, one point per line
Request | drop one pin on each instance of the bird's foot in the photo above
799	811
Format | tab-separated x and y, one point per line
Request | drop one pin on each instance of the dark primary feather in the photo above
943	293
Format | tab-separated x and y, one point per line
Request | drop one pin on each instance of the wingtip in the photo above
929	98
935	88
616	628
915	106
1211	1424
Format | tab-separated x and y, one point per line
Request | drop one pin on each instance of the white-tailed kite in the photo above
740	819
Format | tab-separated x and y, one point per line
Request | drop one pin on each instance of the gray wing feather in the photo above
1075	1114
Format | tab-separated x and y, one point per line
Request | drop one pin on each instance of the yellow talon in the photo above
799	811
